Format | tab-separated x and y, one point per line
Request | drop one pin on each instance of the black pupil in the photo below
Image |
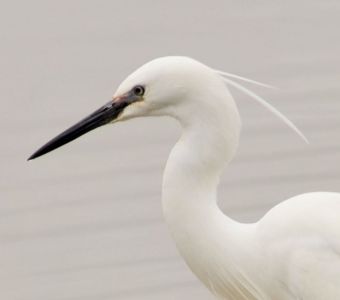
139	90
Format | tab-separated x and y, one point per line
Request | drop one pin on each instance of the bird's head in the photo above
175	86
164	86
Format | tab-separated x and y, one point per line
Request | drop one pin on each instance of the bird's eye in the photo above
138	90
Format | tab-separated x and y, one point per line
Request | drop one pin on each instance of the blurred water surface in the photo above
85	222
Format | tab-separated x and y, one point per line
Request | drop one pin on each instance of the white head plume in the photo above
226	78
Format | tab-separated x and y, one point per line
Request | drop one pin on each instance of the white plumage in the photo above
293	252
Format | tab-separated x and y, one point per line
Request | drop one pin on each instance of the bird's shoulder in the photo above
314	213
300	242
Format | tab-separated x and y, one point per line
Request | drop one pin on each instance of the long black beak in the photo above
102	116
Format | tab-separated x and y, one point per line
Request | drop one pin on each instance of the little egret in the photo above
293	252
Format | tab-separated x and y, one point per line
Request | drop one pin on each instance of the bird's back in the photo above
299	241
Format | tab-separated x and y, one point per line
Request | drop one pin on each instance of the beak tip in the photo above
35	155
31	157
100	117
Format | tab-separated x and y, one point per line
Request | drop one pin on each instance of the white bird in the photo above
293	252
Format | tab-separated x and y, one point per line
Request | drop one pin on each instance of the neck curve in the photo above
189	195
207	144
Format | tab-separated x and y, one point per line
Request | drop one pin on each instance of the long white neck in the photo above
195	165
208	142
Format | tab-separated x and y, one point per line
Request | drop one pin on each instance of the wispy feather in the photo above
259	99
230	75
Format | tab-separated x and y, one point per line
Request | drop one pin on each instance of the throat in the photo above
191	178
194	167
214	246
189	199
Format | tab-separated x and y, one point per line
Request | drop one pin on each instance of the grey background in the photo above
85	221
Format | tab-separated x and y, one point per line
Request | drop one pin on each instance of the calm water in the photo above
85	222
